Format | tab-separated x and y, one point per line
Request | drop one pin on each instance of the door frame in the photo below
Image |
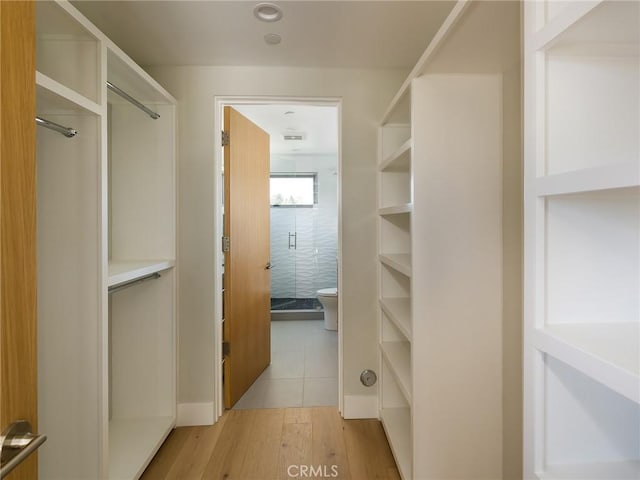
218	160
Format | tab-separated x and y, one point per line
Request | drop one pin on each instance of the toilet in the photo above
328	297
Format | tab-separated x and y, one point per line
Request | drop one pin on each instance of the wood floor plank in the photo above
168	454
328	446
197	452
295	449
297	415
368	451
227	460
264	445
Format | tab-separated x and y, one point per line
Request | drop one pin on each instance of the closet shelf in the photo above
399	312
125	73
396	209
590	23
398	358
397	425
400	262
53	97
398	161
623	470
566	19
607	352
121	271
620	175
133	442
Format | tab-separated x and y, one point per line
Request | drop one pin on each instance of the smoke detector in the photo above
272	39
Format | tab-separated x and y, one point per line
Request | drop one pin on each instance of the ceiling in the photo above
350	34
330	34
318	124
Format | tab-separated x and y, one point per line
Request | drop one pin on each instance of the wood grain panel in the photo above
18	387
247	281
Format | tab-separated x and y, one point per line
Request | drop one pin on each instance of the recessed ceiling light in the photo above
289	112
272	38
267	12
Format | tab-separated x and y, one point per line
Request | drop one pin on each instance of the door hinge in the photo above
226	349
225	139
226	244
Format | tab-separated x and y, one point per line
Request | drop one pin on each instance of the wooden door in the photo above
18	380
247	325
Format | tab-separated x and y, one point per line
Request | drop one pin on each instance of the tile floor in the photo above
303	370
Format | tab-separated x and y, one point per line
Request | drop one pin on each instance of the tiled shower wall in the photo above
301	272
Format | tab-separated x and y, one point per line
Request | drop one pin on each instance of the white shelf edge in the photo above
135	68
399	312
121	271
397	356
621	175
613	376
621	470
400	262
594	50
545	37
81	19
401	153
396	209
51	85
437	40
397	425
144	437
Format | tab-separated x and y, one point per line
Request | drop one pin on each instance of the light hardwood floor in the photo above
278	443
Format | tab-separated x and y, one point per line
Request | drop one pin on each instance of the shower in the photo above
304	232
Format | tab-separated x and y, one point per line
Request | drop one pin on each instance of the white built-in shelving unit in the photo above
440	198
106	255
582	240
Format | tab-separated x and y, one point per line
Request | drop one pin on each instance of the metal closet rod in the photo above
132	100
122	286
66	131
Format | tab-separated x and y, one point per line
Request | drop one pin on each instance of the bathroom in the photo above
304	212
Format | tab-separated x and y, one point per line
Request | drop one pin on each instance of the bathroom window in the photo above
294	190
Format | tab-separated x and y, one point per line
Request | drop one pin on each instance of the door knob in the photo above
268	266
17	442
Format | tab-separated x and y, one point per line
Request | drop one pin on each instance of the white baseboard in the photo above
360	406
191	414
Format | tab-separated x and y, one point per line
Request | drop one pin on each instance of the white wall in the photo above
365	95
512	274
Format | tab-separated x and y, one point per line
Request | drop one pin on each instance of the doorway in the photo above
305	251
